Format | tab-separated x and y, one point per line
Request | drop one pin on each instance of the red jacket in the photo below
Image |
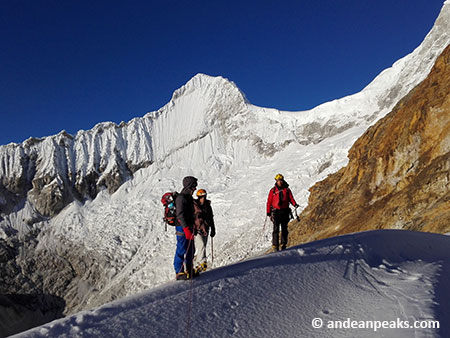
274	201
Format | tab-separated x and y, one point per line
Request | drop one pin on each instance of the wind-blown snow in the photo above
208	130
387	275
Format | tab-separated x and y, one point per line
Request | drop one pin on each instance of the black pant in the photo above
280	217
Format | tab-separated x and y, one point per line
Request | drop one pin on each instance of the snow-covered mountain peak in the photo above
211	86
201	80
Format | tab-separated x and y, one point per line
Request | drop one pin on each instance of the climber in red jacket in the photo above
278	209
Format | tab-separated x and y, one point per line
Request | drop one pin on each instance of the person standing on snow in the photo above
278	209
184	254
204	221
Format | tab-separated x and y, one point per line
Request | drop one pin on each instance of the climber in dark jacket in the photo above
184	254
204	222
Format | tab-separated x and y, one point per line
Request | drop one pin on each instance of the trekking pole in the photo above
296	215
212	251
264	228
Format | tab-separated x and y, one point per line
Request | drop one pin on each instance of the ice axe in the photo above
264	228
296	215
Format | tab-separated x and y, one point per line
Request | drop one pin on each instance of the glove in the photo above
296	206
268	214
213	232
188	233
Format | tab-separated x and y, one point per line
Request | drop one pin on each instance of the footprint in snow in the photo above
327	312
232	305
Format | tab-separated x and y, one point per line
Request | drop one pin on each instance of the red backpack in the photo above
170	213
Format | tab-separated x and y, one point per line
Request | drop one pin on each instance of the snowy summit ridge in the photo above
205	82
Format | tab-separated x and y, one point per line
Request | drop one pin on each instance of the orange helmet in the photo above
201	193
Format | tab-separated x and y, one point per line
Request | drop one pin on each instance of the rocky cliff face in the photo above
398	175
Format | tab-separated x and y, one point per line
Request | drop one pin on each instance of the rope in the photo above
191	294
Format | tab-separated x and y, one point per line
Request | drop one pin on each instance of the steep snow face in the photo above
96	195
380	96
51	172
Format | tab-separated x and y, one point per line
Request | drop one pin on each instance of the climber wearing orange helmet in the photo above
204	222
278	209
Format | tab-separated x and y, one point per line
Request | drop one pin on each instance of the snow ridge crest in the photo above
207	84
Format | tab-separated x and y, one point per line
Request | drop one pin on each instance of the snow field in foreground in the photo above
384	275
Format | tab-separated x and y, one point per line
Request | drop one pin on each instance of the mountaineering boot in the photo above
182	276
274	248
283	247
200	268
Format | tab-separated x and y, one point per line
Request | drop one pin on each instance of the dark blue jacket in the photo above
185	210
184	203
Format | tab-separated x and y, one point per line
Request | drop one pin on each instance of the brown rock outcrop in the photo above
398	175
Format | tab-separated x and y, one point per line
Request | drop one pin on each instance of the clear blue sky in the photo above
71	64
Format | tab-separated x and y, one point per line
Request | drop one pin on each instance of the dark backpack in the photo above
170	213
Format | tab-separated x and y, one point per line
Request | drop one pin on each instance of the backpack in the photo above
170	213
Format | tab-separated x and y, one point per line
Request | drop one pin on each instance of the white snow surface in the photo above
208	130
385	275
